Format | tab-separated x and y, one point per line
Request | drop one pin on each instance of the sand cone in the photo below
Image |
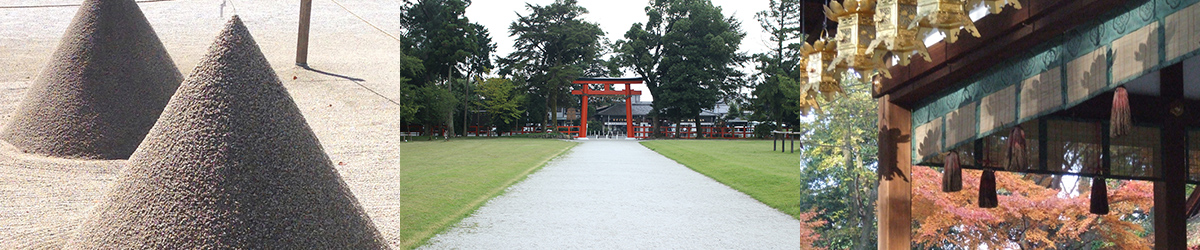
102	89
230	165
1099	202
951	173
1120	121
1018	155
987	189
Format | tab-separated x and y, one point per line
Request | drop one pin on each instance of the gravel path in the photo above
615	194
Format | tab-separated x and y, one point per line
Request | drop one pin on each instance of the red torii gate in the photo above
607	82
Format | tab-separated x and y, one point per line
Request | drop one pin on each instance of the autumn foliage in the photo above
1030	216
809	222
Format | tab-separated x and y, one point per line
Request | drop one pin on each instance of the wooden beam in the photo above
302	34
895	180
1170	197
1004	35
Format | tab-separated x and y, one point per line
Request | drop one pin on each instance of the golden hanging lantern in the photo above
820	75
948	16
808	92
856	30
893	19
996	5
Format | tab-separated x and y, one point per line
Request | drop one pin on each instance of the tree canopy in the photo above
502	101
687	54
446	45
553	47
774	98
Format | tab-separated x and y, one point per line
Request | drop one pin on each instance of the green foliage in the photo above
763	130
502	100
553	47
436	102
839	167
774	97
686	52
408	97
447	45
439	33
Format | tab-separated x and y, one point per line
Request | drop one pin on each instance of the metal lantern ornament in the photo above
996	5
819	73
893	19
808	91
948	16
856	30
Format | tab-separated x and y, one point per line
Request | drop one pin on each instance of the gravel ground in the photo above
349	107
616	194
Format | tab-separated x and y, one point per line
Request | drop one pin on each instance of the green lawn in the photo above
443	182
746	165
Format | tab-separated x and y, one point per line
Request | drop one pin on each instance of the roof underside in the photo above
1059	91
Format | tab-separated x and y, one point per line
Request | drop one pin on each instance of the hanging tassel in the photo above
1018	157
1120	121
1099	204
987	189
951	173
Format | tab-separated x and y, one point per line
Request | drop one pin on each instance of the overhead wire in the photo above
360	18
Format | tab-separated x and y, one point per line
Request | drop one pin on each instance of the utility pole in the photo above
302	39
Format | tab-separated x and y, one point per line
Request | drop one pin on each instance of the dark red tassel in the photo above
1120	121
951	173
987	190
1099	204
1018	157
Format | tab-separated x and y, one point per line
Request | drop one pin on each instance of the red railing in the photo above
570	130
739	132
688	132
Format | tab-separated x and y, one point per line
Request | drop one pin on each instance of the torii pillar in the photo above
606	90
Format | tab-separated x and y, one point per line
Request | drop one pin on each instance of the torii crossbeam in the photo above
607	90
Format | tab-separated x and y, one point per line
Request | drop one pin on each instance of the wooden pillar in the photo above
895	186
302	34
1170	231
583	117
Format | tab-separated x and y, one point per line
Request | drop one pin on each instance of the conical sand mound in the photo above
102	90
231	164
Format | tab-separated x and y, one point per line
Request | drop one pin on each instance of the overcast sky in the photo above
613	16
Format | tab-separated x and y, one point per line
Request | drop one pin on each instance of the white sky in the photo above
614	16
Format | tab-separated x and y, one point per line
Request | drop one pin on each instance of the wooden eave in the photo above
1002	36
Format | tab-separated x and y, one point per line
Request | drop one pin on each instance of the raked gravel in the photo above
616	194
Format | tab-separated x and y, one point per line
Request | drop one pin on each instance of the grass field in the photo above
443	182
746	165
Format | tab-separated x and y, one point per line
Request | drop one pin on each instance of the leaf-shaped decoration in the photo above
850	5
830	13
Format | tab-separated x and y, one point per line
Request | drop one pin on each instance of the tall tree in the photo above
449	46
840	157
778	69
686	52
502	100
409	66
554	46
